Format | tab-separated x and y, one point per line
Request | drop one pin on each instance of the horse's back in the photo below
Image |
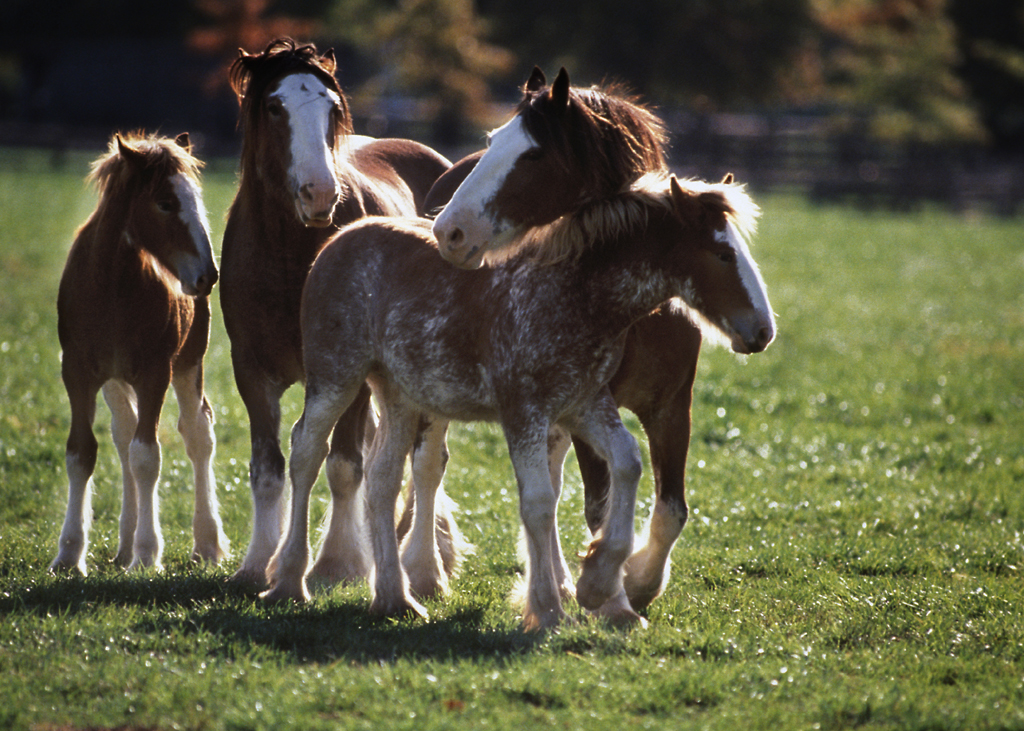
353	282
417	165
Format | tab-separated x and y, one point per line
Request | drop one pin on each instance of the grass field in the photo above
854	556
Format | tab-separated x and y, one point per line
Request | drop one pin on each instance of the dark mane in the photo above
619	139
162	158
251	75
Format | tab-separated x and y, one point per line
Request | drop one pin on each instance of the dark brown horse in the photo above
133	316
530	343
655	378
303	175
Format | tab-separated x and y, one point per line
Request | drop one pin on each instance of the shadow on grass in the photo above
232	622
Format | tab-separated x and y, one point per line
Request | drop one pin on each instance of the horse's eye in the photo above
533	154
165	206
727	257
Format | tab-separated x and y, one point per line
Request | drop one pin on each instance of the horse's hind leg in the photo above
432	535
80	459
124	419
345	551
195	424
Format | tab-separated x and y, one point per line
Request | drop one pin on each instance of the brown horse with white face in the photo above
531	343
655	379
303	176
133	316
659	365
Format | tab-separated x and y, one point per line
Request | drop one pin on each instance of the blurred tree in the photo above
991	43
235	24
892	63
430	49
705	52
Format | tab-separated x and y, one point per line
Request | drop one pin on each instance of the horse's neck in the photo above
621	276
106	245
272	224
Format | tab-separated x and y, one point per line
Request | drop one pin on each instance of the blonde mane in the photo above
568	237
164	157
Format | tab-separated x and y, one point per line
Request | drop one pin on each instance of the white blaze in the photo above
466	211
309	103
189	268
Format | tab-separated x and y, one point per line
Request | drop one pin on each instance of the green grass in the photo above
854	556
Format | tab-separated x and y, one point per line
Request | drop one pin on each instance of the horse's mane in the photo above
251	74
618	139
570	236
162	157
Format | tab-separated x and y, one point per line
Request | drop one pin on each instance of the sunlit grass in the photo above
853	557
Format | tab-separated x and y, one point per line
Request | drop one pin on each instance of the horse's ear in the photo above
728	179
560	89
129	153
330	63
184	142
686	206
537	80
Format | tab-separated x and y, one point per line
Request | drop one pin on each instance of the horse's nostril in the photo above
456	237
306	192
764	336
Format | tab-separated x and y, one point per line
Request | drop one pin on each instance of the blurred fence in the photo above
772	153
799	154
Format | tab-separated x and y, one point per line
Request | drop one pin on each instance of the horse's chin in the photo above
474	259
314	219
316	222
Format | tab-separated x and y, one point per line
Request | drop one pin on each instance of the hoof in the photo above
211	555
591	595
331	572
140	565
280	594
544	621
401	607
249	578
618	613
428	587
61	568
644	584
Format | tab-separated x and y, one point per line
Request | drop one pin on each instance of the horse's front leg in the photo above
396	434
80	460
287	569
648	569
195	424
558	446
528	449
600	586
659	390
345	553
266	470
432	535
144	456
